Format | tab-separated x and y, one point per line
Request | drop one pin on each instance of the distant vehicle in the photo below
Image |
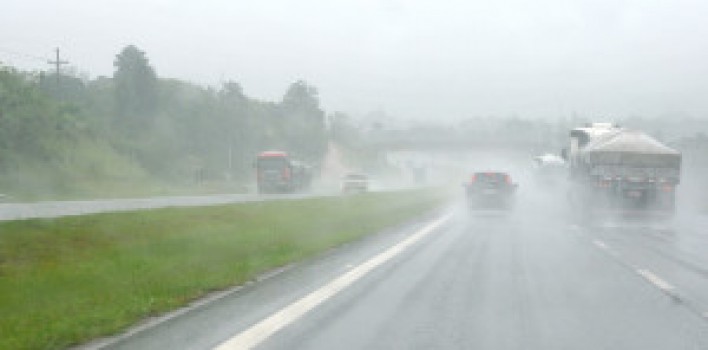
548	159
490	190
355	183
621	171
276	172
550	170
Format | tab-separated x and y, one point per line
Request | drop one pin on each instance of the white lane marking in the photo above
600	244
268	326
273	273
655	280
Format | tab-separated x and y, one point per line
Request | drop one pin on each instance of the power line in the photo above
22	55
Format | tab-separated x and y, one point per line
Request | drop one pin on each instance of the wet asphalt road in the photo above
482	280
51	209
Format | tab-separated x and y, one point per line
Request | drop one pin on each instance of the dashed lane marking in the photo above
655	280
259	332
600	244
647	275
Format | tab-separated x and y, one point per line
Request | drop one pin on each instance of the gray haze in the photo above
413	59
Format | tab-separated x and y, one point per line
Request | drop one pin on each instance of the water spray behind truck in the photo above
614	170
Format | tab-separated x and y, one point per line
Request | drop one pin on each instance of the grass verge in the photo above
68	280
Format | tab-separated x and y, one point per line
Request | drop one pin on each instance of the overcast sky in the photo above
413	59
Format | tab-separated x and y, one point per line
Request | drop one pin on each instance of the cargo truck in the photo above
621	171
277	172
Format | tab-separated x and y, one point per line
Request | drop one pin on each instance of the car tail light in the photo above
667	188
286	173
473	178
507	178
603	184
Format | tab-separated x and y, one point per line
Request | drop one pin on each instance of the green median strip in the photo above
68	280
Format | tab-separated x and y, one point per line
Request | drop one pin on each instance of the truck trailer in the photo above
621	171
277	172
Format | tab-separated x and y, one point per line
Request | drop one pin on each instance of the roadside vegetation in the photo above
136	133
68	280
69	136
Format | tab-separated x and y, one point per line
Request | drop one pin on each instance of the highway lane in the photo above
675	251
51	209
486	280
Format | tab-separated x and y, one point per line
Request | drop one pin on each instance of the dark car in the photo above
490	190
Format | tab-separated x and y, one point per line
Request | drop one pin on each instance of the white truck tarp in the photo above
630	148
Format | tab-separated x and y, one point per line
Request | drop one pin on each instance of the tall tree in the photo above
241	131
304	121
135	85
63	87
232	91
301	96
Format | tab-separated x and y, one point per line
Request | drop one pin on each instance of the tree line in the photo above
136	131
56	131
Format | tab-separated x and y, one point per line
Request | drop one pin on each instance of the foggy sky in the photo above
413	59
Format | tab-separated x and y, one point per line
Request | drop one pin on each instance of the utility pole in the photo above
231	160
57	64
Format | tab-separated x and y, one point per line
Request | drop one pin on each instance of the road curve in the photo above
482	280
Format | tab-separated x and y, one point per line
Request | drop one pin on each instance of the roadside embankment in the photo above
68	280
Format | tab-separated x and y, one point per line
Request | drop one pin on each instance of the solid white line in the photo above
268	326
655	280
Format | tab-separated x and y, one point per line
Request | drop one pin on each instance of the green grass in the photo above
65	281
90	169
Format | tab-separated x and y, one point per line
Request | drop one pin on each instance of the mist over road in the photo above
526	279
